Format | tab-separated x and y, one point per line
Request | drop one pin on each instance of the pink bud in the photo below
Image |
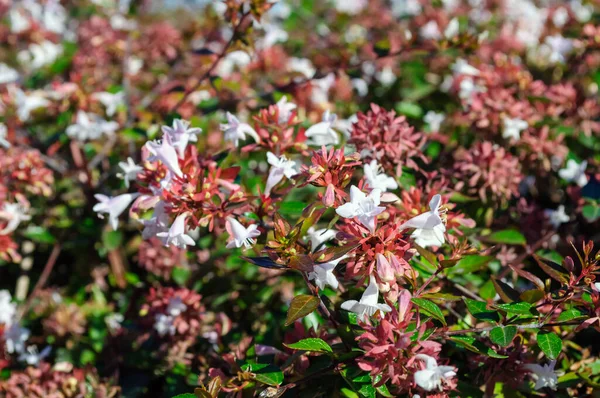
329	197
384	269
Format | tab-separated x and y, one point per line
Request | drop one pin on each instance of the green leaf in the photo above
430	308
311	344
301	306
265	373
409	109
517	308
532	296
470	264
186	395
181	275
292	208
348	393
591	212
507	236
506	293
474	345
503	335
550	343
112	239
569	315
39	234
480	311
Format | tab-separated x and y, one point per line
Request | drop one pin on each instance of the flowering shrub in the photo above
345	198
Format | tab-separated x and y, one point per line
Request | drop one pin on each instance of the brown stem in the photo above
427	282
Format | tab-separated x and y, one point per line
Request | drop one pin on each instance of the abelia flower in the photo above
430	31
432	377
130	171
15	337
32	357
240	235
163	324
544	375
364	208
429	227
285	109
113	206
323	134
27	103
39	55
176	235
3	135
166	154
235	131
557	217
319	236
574	172
280	167
367	306
181	134
89	126
434	120
452	29
376	177
110	101
513	127
559	48
8	74
8	309
322	274
14	214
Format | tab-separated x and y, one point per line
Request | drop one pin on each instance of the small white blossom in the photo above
560	17
377	179
113	206
319	236
430	31
557	217
285	109
386	76
163	324
176	306
39	55
280	167
323	275
583	12
3	134
365	208
15	337
350	7
176	235
402	8
574	172
181	134
367	306
462	67
14	214
113	322
434	120
130	171
8	74
134	65
559	48
429	226
452	29
165	153
32	357
8	309
322	133
301	65
89	126
234	130
544	375
110	101
240	235
27	103
432	376
512	128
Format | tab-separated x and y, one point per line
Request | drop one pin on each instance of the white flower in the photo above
134	65
233	60
27	103
235	131
165	153
163	324
110	101
432	376
8	74
176	235
365	208
158	223
7	308
89	126
401	8
113	322
320	89
54	18
575	172
462	67
434	120
113	206
452	29
386	76
15	337
559	48
557	217
512	128
39	55
130	171
429	226
280	167
320	236
176	306
583	12
350	7
468	88
301	65
3	134
560	17
240	235
430	31
285	109
181	134
323	275
367	306
322	133
14	213
544	376
377	179
31	356
18	22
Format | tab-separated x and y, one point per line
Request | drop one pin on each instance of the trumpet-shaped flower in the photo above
15	337
234	130
280	167
367	306
14	214
364	208
323	275
429	226
7	308
27	103
240	235
512	128
323	134
377	179
181	134
575	172
89	126
130	171
110	101
558	216
8	74
163	324
113	206
319	236
285	109
32	357
176	235
432	376
434	120
544	375
3	133
166	154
